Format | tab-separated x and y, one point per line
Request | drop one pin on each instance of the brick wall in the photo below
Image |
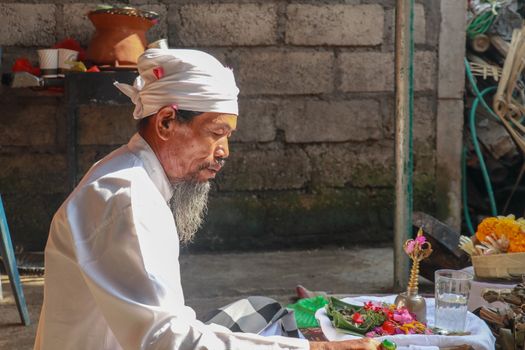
312	162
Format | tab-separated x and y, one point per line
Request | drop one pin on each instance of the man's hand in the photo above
357	344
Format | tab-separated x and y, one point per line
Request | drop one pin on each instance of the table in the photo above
480	338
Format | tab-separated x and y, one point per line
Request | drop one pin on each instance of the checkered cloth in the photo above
259	315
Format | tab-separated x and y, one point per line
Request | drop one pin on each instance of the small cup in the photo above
159	44
48	59
64	57
452	291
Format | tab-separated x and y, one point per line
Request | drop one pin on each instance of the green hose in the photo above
481	23
410	170
477	148
466	213
476	91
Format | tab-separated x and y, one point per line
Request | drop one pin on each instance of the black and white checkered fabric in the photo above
256	315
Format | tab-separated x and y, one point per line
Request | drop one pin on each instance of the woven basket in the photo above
507	266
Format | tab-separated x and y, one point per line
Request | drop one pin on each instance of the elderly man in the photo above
112	271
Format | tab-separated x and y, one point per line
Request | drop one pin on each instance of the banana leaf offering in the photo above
373	319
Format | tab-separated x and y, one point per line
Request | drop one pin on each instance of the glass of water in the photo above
452	290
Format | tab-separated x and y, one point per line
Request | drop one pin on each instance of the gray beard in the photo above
189	205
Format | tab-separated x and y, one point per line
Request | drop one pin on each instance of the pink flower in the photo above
421	239
409	248
403	316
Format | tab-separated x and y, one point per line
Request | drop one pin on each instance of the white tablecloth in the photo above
475	299
480	338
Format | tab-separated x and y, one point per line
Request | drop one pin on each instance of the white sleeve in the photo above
130	265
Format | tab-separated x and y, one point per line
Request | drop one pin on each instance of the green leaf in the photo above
340	313
339	304
346	331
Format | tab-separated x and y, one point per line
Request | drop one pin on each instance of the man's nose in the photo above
222	150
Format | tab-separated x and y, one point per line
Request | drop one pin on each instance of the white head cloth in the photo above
190	79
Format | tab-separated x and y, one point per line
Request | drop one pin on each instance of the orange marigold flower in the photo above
486	228
504	226
517	242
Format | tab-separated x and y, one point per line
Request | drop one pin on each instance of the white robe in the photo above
112	276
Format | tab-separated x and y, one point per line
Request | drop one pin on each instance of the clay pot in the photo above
119	39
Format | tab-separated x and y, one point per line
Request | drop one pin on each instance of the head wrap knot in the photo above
133	92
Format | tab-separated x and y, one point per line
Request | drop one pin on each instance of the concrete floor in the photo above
213	280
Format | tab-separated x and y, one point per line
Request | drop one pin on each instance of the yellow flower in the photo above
506	226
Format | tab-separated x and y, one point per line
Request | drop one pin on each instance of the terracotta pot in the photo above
118	40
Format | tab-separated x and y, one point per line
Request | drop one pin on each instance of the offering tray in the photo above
480	337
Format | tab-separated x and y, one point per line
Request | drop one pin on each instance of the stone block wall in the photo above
312	161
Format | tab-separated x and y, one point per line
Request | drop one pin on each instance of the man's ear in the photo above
165	122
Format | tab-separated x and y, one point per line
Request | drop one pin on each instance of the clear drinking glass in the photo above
452	290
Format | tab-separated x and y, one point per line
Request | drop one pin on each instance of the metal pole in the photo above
404	52
1	291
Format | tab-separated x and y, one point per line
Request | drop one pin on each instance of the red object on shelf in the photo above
93	69
24	65
72	44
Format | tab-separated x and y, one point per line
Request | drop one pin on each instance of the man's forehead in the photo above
220	120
